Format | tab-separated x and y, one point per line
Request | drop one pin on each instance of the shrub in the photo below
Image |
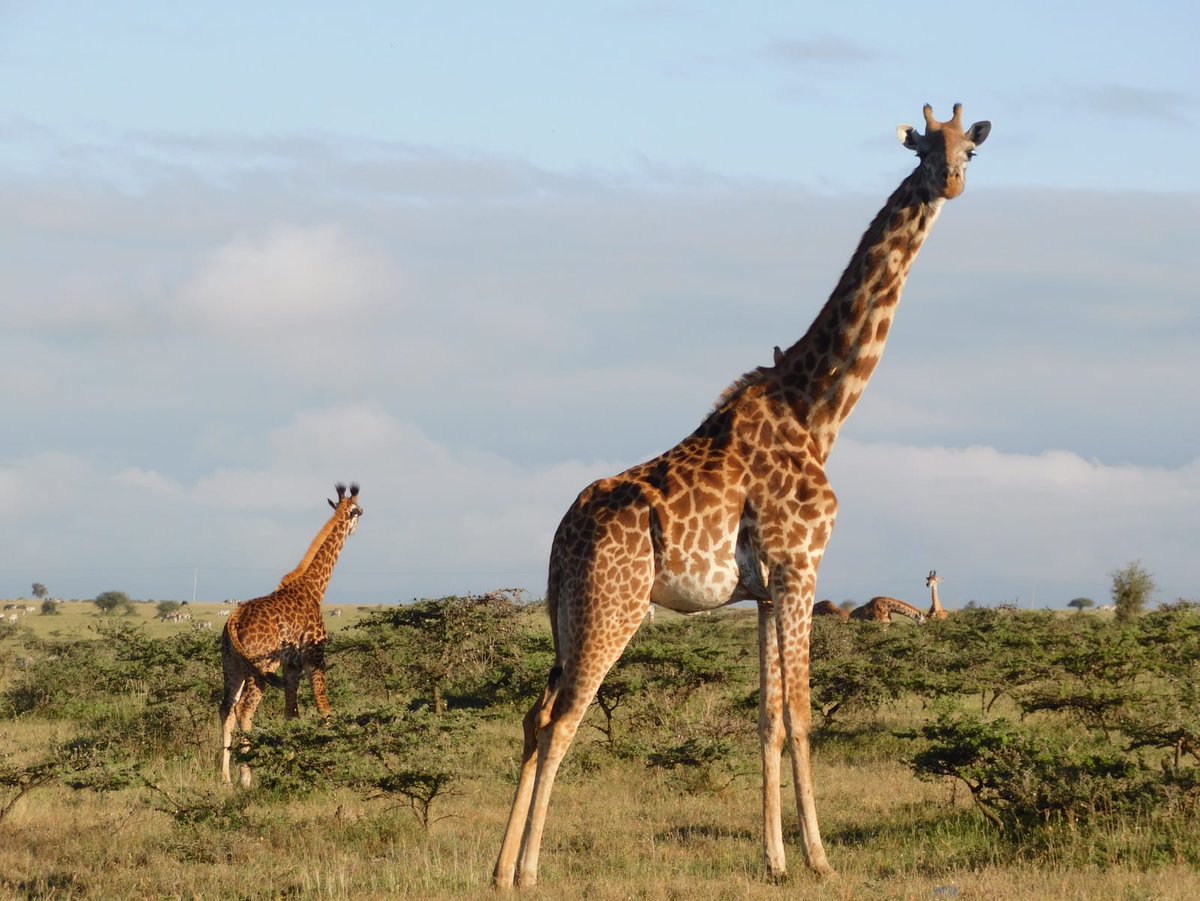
1132	586
111	601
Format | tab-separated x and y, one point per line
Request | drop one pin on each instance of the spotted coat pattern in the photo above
738	510
880	610
283	630
829	608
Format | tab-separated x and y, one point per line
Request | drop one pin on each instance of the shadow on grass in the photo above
702	832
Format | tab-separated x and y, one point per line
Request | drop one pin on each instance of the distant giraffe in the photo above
880	610
829	608
936	610
741	509
284	630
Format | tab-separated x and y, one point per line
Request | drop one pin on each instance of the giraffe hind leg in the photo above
244	711
228	718
610	620
535	720
234	676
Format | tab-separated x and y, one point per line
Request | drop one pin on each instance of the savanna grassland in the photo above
989	756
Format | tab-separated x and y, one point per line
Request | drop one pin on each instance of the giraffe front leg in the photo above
793	589
771	736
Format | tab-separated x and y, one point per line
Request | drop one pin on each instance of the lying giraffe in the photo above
880	610
829	608
740	509
285	630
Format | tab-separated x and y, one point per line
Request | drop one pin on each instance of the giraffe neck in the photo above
314	548
892	605
313	581
935	608
822	376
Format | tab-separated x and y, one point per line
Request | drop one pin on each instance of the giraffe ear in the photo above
909	137
978	132
331	503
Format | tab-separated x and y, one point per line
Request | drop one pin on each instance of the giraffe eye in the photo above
970	154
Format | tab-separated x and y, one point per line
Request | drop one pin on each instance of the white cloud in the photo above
998	522
458	355
290	278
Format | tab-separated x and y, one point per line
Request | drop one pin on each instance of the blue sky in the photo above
474	257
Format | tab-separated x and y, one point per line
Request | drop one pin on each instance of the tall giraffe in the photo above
880	610
738	510
283	629
936	610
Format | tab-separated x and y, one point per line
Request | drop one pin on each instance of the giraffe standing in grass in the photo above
880	610
936	610
738	510
283	630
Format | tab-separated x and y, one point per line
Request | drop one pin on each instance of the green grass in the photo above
616	829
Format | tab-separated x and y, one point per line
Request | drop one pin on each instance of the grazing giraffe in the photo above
285	630
936	610
829	608
880	610
738	510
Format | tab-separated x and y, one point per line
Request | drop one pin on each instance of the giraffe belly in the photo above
693	589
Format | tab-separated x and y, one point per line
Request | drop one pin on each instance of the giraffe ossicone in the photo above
739	510
283	630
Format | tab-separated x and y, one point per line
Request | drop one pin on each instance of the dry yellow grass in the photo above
617	830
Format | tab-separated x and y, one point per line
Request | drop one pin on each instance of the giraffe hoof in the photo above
822	870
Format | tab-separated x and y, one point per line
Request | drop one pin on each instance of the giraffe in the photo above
880	610
936	610
829	608
739	510
283	629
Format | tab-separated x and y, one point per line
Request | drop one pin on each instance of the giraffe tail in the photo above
235	644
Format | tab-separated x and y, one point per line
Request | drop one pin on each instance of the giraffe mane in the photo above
755	376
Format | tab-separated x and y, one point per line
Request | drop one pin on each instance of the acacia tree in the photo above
1132	586
433	644
110	601
1081	604
39	590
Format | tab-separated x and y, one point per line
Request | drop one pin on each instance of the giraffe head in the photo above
944	150
932	579
347	505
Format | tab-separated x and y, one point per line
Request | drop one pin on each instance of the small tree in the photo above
1131	589
49	607
1081	604
166	608
446	641
39	590
110	601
